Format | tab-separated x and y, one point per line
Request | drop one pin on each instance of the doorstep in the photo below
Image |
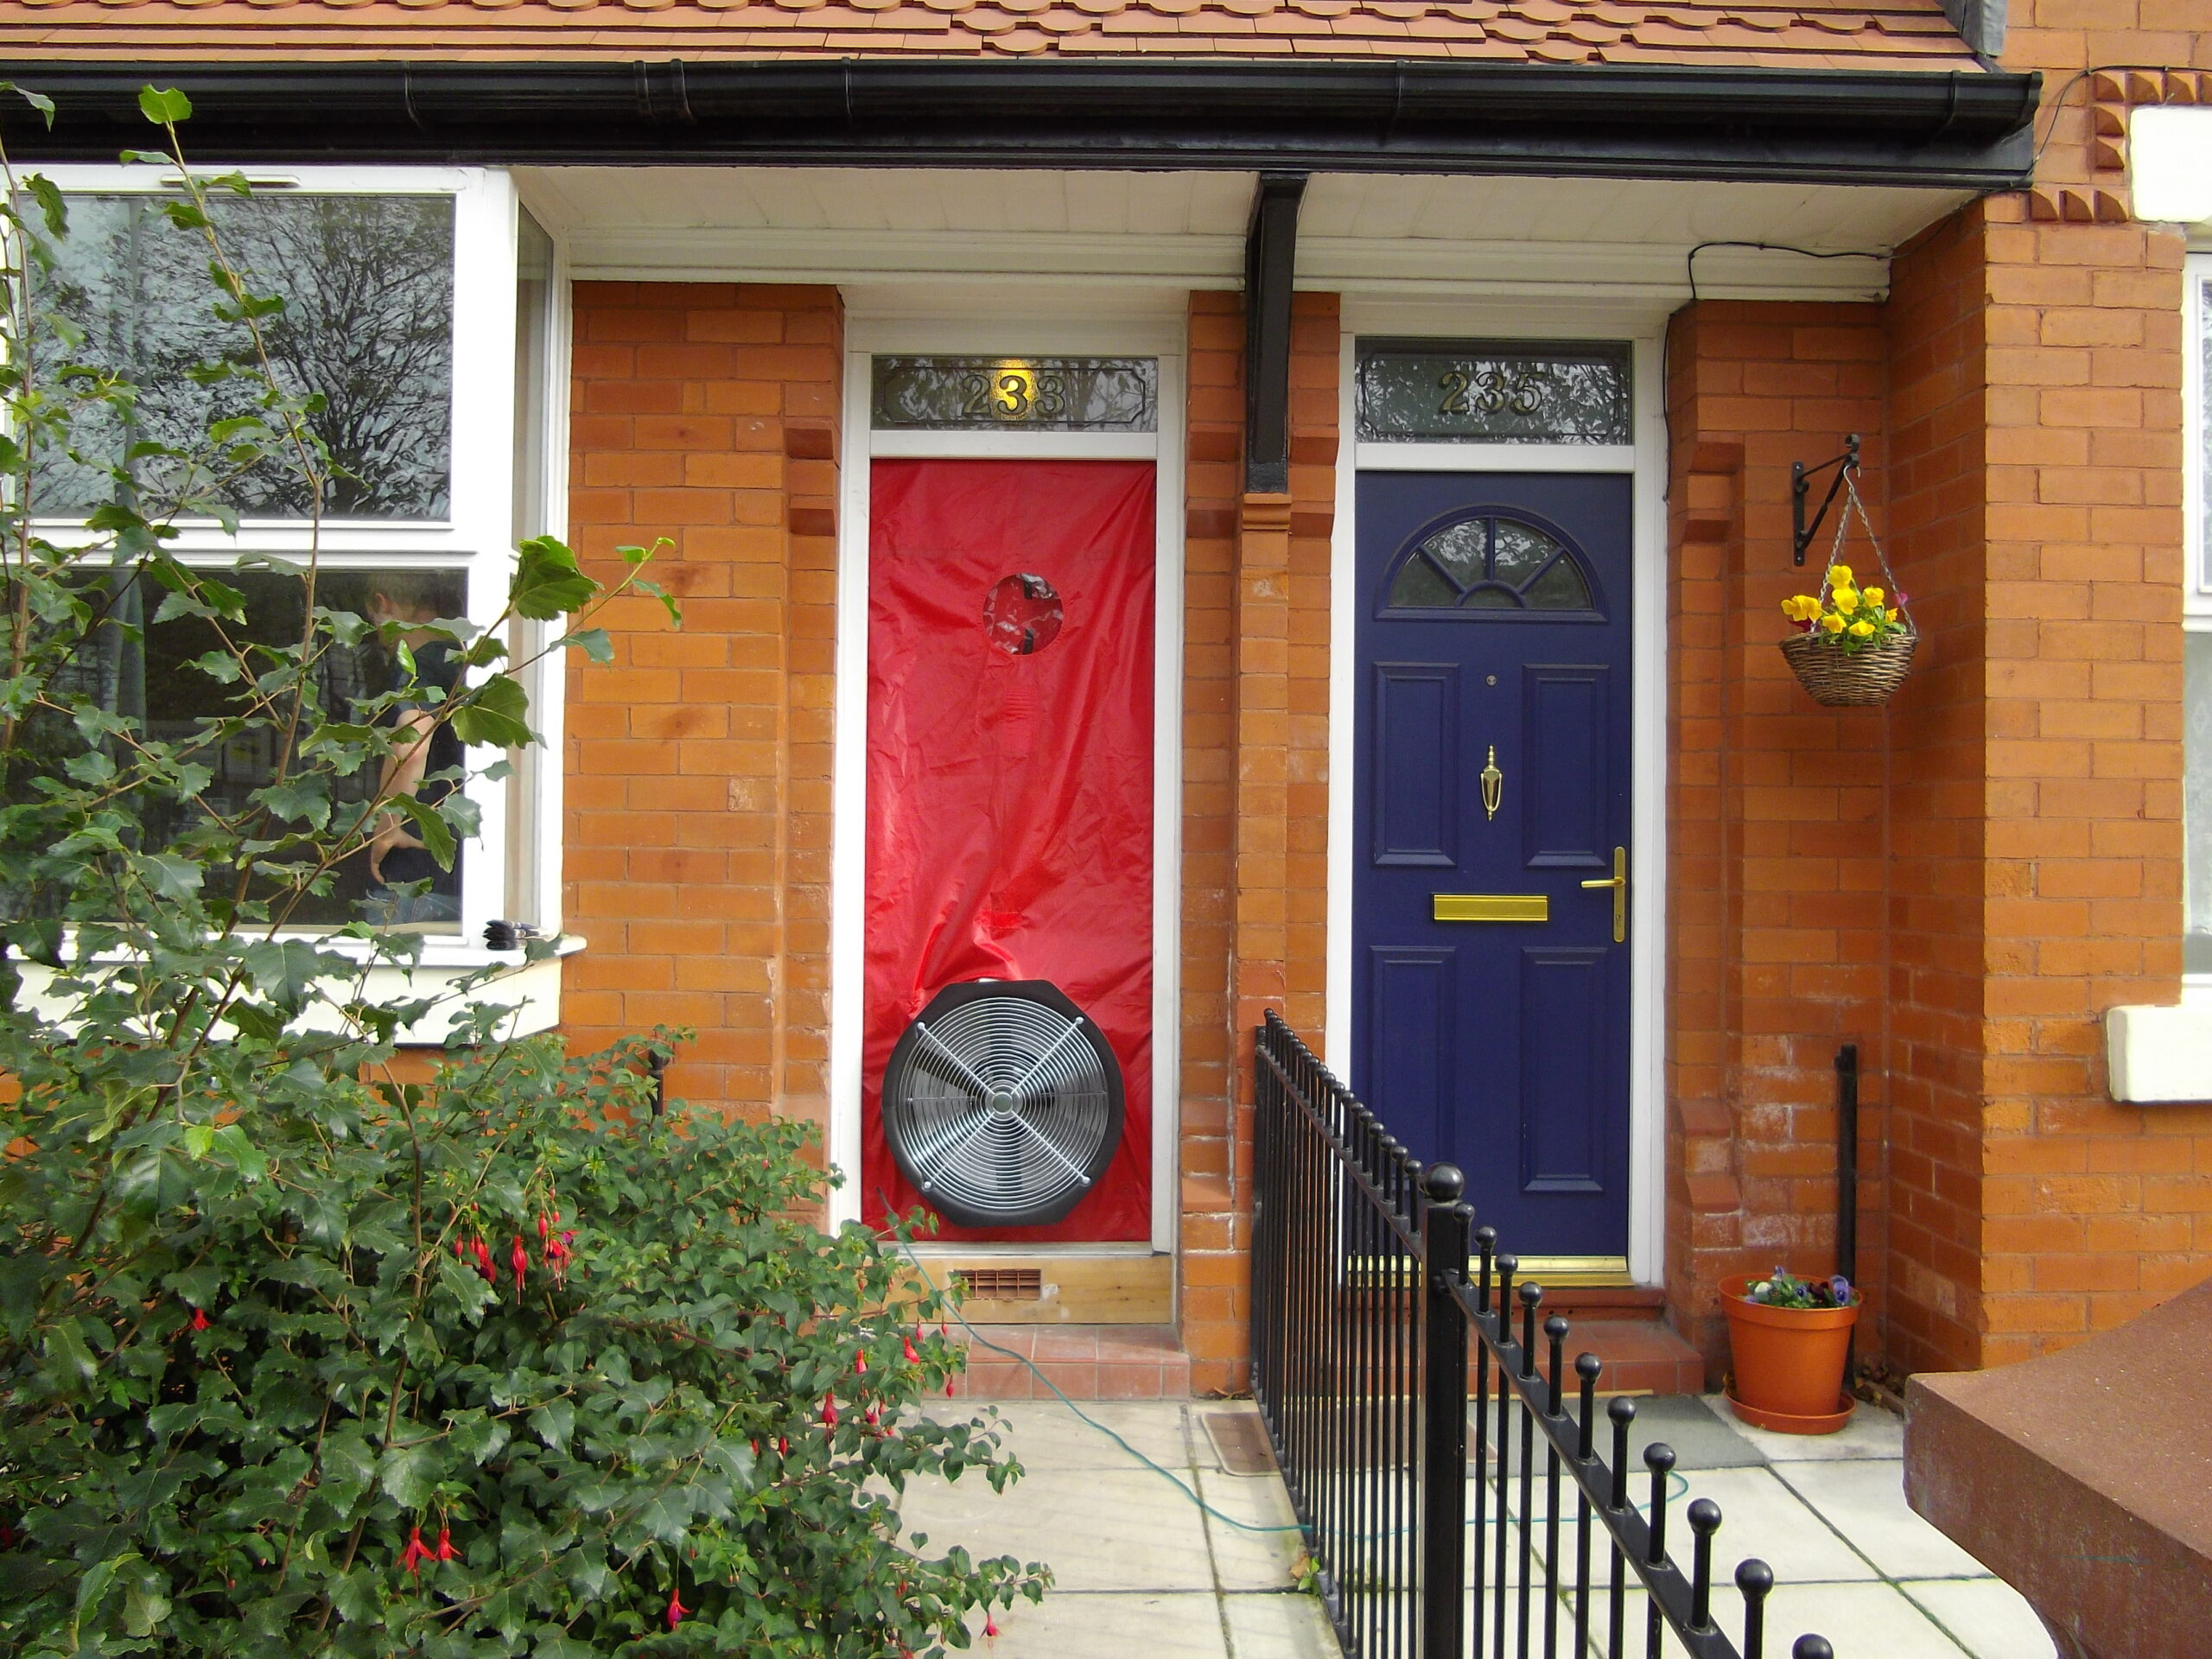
1085	1362
1641	1356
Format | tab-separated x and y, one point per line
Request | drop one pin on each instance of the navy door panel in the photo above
1492	756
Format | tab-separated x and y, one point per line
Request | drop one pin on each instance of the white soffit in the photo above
2169	164
1381	234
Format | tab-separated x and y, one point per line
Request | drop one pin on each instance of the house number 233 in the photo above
1012	395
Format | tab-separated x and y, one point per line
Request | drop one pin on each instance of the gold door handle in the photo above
1619	882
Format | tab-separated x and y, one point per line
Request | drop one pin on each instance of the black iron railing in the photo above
1383	1322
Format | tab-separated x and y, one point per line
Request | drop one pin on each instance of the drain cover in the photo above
1240	1439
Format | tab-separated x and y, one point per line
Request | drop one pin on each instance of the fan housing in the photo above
1002	1103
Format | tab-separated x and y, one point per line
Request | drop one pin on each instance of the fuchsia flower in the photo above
829	1412
520	1257
485	1265
416	1552
446	1551
859	1364
199	1319
991	1626
873	1414
676	1609
913	1358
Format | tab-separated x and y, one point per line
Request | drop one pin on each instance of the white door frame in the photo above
1646	459
1040	330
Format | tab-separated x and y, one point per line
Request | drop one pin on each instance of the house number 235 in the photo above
1489	391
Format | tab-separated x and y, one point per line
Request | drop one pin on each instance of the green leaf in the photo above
172	875
593	642
164	106
548	582
553	1422
51	203
38	101
303	797
408	1475
493	716
436	834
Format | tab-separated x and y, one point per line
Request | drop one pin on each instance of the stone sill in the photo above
2157	1056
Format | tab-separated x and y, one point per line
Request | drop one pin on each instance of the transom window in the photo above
1491	564
1494	391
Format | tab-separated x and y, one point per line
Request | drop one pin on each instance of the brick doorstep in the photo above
1085	1362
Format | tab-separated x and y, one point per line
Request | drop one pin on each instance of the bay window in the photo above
423	309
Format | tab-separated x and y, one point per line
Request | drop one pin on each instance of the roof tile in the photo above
1809	33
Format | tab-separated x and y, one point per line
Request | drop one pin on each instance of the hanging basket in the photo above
1850	679
1859	676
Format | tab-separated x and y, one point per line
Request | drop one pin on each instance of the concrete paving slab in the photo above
1112	1625
1096	1528
1761	1516
1282	1624
1986	1617
1872	1432
1864	1502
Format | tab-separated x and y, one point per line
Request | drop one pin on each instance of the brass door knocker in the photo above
1493	785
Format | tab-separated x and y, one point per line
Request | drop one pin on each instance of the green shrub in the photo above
302	1352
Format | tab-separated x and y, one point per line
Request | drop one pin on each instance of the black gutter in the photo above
1953	130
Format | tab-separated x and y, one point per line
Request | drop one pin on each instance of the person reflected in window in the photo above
425	760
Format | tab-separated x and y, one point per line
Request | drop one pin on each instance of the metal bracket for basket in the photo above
1801	485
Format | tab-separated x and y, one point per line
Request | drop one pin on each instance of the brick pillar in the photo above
1256	789
696	776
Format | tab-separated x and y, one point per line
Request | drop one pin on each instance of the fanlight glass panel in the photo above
1494	391
1491	563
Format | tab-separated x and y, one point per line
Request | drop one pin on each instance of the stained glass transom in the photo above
1414	391
1491	563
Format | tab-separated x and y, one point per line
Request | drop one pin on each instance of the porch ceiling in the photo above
1377	234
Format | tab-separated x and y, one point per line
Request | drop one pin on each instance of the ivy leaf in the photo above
164	106
493	716
547	581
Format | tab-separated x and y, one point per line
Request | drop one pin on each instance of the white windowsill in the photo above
2161	1055
532	989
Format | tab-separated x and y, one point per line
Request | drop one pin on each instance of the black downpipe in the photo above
1847	1184
1270	262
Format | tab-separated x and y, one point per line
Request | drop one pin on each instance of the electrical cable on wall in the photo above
1689	262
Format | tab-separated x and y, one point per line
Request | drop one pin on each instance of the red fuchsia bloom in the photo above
948	1387
446	1551
783	1447
544	1227
676	1609
416	1552
521	1260
991	1626
913	1358
873	1414
199	1319
829	1412
859	1364
458	1252
485	1265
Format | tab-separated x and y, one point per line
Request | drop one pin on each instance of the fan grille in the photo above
1000	1108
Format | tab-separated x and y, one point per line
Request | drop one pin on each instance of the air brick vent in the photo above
1002	1284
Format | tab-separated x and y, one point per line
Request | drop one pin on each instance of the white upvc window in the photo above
2196	607
432	313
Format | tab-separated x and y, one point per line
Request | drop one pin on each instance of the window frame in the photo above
478	534
2196	552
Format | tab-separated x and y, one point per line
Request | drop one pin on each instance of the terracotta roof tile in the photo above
1811	34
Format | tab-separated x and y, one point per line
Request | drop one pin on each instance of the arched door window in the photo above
1492	565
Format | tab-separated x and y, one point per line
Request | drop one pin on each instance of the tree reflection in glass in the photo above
367	328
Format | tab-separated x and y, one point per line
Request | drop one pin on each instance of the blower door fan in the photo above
1002	1103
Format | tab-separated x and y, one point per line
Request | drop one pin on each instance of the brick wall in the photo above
1776	809
697	766
1256	740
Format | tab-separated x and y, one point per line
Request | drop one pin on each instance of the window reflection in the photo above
367	327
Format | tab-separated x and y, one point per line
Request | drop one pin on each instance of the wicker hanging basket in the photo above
1850	679
1840	676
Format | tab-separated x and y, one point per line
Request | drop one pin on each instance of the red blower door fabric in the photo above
1010	774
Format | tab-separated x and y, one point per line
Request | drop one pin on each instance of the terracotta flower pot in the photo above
1789	1361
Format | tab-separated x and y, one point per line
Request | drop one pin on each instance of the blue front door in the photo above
1491	983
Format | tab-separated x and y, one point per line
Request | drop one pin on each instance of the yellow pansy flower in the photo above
1846	599
1874	596
1804	607
1839	575
1861	628
1833	623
